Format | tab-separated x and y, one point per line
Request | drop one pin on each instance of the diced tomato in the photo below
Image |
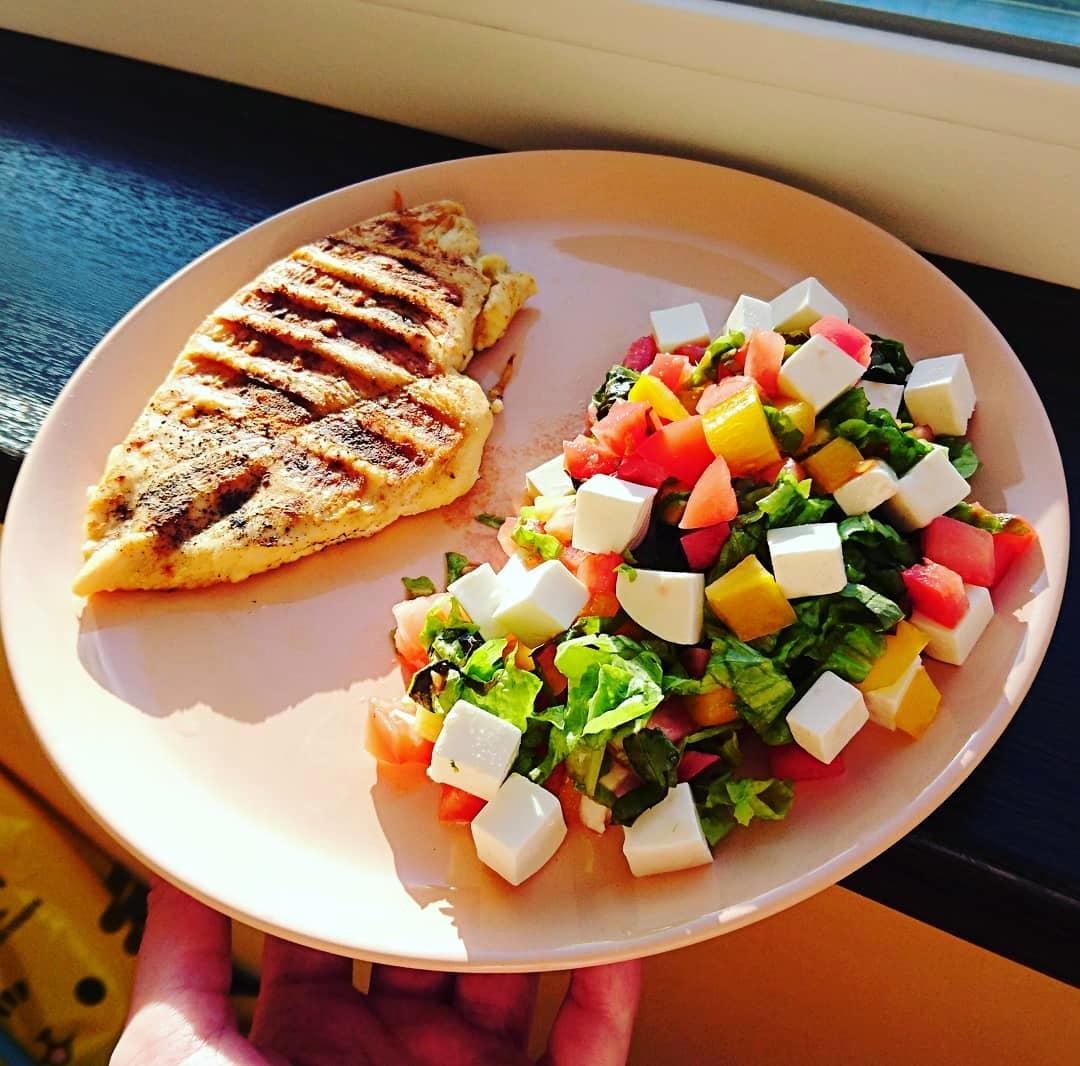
965	549
767	475
693	352
556	778
597	573
764	355
570	801
506	541
702	547
392	736
457	805
696	661
693	762
672	719
585	456
410	616
630	629
937	592
712	499
623	428
545	663
1012	542
679	448
719	392
671	369
921	432
640	353
845	336
642	472
791	762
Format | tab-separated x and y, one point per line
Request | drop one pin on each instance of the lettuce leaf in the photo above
961	455
790	503
457	565
616	385
543	745
875	554
529	536
787	434
652	757
724	801
417	586
631	805
877	434
485	661
848	405
612	680
762	688
510	696
707	367
888	361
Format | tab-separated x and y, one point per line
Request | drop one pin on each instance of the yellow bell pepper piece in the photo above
748	600
712	708
428	723
802	417
652	390
901	650
737	429
835	464
919	705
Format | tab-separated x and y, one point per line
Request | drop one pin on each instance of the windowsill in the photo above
967	153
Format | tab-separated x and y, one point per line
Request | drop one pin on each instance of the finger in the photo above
417	984
285	964
596	1020
185	951
180	1006
499	1003
308	1010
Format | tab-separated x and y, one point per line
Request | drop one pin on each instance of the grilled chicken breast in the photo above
319	403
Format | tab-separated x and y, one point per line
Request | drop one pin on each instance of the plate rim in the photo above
866	848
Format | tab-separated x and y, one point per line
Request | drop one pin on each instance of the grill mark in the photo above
351	360
439	270
298	387
190	499
344	440
380	277
424	417
382	330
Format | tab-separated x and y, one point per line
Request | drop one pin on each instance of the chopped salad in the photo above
748	551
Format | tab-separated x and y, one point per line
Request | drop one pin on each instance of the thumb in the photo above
180	1001
596	1021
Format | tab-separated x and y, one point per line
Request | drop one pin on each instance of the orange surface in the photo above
837	979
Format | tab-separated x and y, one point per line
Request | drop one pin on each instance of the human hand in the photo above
309	1014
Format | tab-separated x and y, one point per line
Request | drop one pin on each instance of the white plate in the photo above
218	733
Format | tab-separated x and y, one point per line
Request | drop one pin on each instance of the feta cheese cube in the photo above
954	645
927	490
549	479
540	603
939	394
519	830
675	326
667	837
827	717
593	815
817	372
807	560
799	307
479	592
475	750
747	315
611	515
867	490
670	605
883	394
884	703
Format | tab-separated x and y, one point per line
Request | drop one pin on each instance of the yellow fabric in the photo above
69	928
